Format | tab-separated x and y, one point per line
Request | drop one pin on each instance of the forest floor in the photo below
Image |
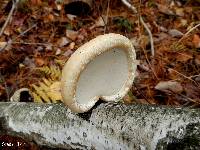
40	36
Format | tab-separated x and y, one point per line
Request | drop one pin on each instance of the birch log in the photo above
109	126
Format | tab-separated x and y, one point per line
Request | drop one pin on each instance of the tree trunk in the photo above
109	126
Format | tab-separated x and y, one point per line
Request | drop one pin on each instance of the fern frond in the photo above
178	47
54	92
47	91
55	72
43	86
52	71
60	62
47	82
41	93
36	98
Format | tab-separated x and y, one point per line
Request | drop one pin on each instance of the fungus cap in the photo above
103	68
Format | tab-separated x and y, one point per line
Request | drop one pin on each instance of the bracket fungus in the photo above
103	68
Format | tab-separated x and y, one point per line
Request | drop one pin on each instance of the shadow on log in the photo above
110	126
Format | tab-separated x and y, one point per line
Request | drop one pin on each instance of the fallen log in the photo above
109	126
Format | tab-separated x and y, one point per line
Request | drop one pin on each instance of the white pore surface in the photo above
103	76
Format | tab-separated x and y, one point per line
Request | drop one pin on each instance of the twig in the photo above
154	73
129	6
198	75
188	32
188	98
125	2
9	16
106	19
150	35
189	78
27	30
140	92
12	40
28	43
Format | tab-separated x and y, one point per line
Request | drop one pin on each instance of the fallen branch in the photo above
131	7
109	126
9	16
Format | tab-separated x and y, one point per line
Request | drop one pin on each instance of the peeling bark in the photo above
109	126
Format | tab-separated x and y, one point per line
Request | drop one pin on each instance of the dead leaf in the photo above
197	79
40	48
175	33
68	53
1	87
192	91
58	6
71	34
21	65
143	66
141	101
98	23
63	41
50	18
49	47
172	74
58	51
128	99
165	10
135	42
2	44
179	12
196	41
169	86
183	22
197	59
19	21
144	41
71	45
29	62
39	61
5	45
7	31
161	36
82	35
184	57
36	2
71	17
